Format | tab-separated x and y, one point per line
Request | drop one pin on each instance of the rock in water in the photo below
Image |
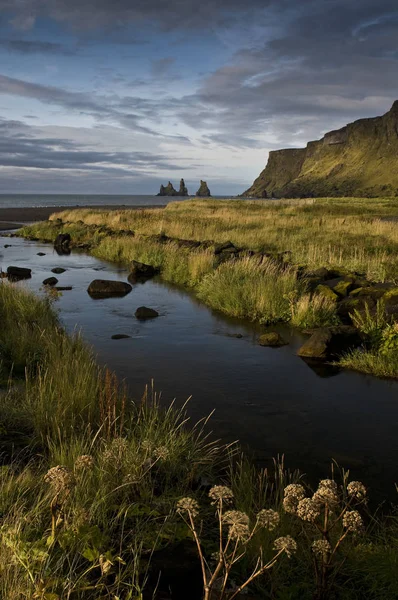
272	339
358	160
139	270
58	270
120	336
105	288
328	342
183	191
203	191
146	313
62	241
18	273
50	281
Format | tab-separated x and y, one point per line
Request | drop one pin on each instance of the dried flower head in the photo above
188	505
85	461
356	489
162	452
60	478
321	548
268	518
352	521
105	564
286	544
326	494
308	510
115	451
293	494
221	493
238	525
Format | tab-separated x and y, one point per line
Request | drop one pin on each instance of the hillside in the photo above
361	159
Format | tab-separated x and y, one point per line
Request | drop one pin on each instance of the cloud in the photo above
35	47
162	66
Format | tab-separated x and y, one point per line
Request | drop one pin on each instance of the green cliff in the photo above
361	159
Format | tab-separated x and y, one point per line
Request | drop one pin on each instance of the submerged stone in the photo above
103	288
50	281
328	342
143	312
18	273
272	339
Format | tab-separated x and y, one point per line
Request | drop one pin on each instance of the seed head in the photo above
321	548
115	451
326	494
105	564
357	490
286	544
293	494
162	452
238	525
352	521
85	461
188	505
268	518
308	510
60	478
221	492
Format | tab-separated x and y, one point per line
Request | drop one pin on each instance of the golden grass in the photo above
348	232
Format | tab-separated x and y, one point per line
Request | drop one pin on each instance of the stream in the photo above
269	399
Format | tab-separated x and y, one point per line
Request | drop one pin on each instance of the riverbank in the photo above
106	502
268	261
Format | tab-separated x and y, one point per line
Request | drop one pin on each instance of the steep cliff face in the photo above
361	159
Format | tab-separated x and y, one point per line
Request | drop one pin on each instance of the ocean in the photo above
36	200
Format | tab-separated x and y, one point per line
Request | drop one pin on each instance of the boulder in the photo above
146	313
105	288
41	254
347	306
119	336
226	247
58	270
327	292
203	191
139	270
369	291
62	240
18	273
272	339
50	281
63	288
390	297
329	342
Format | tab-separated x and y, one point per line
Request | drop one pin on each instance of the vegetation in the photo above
106	498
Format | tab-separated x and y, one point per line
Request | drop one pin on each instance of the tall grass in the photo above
247	287
355	233
312	311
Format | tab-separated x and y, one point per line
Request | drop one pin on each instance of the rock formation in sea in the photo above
361	159
203	191
170	191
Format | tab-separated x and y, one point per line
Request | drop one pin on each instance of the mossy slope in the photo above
358	160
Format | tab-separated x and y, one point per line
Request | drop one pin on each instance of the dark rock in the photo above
346	307
104	288
7	245
139	270
328	342
273	339
41	254
58	270
50	281
119	336
146	313
63	288
203	191
183	191
224	247
390	297
18	273
62	240
321	273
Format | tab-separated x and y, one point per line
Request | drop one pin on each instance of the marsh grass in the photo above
313	310
251	288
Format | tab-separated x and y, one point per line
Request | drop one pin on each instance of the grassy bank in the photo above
108	498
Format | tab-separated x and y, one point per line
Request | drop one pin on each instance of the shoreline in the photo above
13	218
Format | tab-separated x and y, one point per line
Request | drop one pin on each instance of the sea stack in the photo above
170	191
183	190
203	191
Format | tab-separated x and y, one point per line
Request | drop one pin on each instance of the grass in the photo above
350	232
88	506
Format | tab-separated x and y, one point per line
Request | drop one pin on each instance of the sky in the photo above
119	96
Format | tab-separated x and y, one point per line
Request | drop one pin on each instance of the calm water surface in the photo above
269	399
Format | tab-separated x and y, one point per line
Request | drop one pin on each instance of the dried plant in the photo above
235	531
330	514
112	405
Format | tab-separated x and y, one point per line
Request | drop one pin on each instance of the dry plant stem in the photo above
201	557
264	568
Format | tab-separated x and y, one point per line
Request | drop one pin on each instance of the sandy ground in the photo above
13	218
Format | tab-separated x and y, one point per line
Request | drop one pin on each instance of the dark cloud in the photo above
35	47
19	147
